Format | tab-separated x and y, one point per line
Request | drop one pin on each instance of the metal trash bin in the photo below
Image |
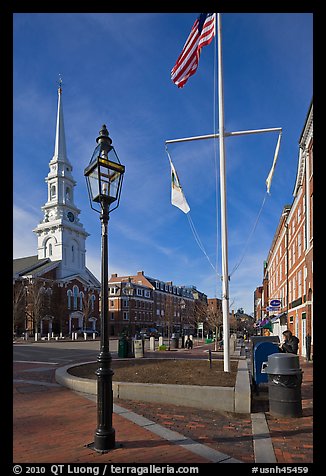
123	347
174	342
284	385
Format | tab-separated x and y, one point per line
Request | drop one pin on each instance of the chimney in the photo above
114	275
140	273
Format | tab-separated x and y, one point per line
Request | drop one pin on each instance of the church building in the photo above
54	292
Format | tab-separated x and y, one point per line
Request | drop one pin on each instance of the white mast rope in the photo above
200	244
268	185
194	231
250	235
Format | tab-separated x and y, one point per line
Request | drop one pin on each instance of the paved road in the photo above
65	352
58	352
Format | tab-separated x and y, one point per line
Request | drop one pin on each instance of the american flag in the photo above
201	34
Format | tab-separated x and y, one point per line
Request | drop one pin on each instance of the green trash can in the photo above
123	347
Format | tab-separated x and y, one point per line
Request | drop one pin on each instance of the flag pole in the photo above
224	235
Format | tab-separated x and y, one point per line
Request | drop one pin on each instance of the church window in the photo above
48	249
53	192
75	294
72	253
68	194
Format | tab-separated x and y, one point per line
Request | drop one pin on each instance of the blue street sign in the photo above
275	302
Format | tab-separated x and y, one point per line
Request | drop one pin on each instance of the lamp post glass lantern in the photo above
104	173
104	176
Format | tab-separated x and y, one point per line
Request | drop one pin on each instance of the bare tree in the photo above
19	305
169	311
37	302
215	317
88	306
59	307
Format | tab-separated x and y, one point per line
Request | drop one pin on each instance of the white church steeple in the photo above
60	150
61	236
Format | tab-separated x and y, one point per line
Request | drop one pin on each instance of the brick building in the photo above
138	302
288	269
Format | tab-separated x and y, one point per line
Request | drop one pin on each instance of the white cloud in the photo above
24	240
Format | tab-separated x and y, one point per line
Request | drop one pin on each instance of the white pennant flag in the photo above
271	173
177	196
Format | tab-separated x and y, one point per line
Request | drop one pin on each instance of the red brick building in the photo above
138	302
288	269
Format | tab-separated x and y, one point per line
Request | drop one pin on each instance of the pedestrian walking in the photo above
290	343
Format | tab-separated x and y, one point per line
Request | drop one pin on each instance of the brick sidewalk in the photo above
53	424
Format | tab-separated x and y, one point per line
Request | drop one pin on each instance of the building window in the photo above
53	192
125	316
300	283
75	292
139	292
293	289
112	316
111	303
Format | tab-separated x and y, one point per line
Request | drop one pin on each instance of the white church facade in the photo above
54	291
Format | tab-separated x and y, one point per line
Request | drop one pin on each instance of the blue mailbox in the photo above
261	351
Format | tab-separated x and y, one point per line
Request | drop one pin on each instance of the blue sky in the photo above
116	70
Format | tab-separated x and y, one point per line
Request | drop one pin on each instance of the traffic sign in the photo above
275	303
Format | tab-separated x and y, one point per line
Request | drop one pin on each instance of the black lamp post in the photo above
104	176
129	291
183	308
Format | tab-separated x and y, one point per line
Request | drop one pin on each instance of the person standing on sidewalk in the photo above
290	343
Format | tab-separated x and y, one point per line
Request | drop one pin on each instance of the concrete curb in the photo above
263	446
242	390
231	399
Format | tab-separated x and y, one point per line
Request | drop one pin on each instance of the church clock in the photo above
71	216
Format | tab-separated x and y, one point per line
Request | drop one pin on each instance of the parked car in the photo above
150	332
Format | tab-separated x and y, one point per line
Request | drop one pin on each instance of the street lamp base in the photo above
103	443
